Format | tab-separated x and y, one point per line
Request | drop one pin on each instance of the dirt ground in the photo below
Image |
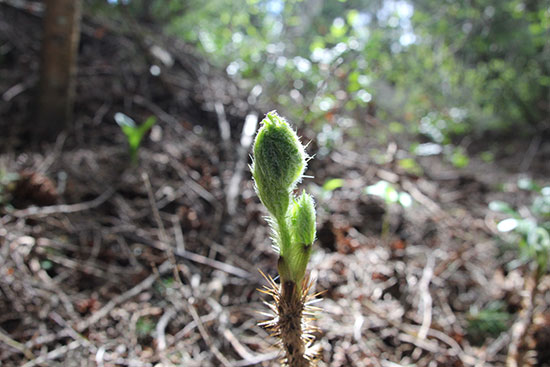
105	263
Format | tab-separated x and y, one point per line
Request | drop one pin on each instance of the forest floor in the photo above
105	263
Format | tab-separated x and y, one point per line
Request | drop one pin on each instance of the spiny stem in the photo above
290	321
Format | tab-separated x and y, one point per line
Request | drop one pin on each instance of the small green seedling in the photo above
386	191
278	165
530	230
324	193
458	158
390	195
144	328
410	166
333	184
487	322
134	133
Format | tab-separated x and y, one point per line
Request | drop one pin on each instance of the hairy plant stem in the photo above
290	307
284	234
291	322
285	241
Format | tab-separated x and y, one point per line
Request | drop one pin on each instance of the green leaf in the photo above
151	120
507	225
352	17
410	166
396	128
144	327
489	322
541	206
459	159
134	134
333	184
525	183
526	226
123	120
538	241
338	28
386	191
302	218
279	162
502	207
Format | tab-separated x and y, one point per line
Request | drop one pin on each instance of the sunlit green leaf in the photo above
502	207
333	184
459	159
410	166
525	183
507	225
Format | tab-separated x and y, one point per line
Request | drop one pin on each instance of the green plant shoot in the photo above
134	133
532	231
278	165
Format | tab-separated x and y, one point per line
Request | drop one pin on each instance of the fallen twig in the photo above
60	209
521	326
4	338
205	336
426	298
226	268
54	354
161	327
145	284
233	188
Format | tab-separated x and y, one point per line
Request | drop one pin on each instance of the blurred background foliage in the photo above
440	69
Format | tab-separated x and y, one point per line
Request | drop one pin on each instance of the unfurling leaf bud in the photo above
302	227
279	162
302	217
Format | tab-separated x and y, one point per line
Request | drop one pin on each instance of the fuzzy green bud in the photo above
279	162
302	221
302	217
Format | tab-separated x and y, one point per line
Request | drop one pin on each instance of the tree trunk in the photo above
61	34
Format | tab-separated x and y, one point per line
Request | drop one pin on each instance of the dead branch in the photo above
145	284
